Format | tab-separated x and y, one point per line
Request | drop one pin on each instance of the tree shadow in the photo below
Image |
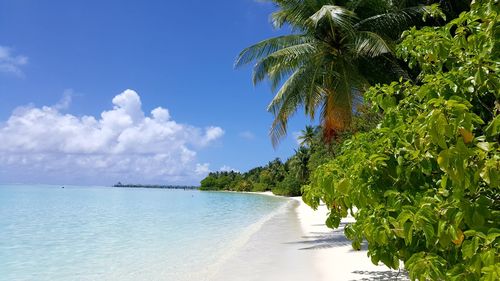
324	239
386	275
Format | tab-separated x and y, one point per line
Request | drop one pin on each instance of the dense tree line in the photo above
287	178
276	176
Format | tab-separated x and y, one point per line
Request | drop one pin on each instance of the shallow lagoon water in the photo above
103	233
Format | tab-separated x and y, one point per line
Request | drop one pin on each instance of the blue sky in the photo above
177	55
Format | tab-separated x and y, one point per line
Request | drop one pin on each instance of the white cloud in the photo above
202	169
211	134
296	135
247	135
226	168
65	101
10	63
123	144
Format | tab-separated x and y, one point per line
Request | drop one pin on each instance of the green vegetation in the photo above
287	178
275	176
424	185
336	50
415	160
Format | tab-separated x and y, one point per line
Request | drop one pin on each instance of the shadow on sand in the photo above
381	275
324	239
336	238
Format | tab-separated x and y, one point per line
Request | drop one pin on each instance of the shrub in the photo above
426	182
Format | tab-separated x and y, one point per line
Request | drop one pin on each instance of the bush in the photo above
426	182
290	186
259	187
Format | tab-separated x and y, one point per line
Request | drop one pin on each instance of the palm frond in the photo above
337	16
296	13
370	44
335	50
393	22
340	95
368	8
269	46
280	64
313	93
382	69
287	100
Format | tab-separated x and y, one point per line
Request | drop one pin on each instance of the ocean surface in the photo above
104	233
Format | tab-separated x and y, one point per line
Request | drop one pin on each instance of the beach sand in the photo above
295	245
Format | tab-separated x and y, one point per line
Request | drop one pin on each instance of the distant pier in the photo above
184	187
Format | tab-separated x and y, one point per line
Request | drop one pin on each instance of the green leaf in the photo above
356	245
408	230
343	186
469	248
493	128
488	257
404	216
429	234
491	237
484	146
491	273
333	221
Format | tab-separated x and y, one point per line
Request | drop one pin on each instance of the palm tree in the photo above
307	135
335	50
299	164
276	170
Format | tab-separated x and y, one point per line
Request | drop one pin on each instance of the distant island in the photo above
119	184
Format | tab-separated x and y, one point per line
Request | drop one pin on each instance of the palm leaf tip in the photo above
371	44
337	15
278	131
266	47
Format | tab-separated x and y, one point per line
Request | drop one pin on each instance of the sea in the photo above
104	233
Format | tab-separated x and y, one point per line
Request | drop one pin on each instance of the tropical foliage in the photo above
287	178
336	50
423	186
307	136
278	177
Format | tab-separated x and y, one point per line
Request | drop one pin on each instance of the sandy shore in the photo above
296	245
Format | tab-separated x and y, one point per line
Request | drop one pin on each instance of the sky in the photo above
95	92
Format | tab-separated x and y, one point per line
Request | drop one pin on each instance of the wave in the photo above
237	244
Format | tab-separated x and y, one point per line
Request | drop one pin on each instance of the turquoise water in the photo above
102	233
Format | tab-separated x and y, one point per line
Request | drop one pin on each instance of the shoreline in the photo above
304	249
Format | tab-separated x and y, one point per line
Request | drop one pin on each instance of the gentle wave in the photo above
238	243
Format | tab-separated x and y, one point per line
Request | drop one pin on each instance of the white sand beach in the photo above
296	245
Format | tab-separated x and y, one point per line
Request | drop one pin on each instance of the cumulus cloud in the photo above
10	63
122	144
